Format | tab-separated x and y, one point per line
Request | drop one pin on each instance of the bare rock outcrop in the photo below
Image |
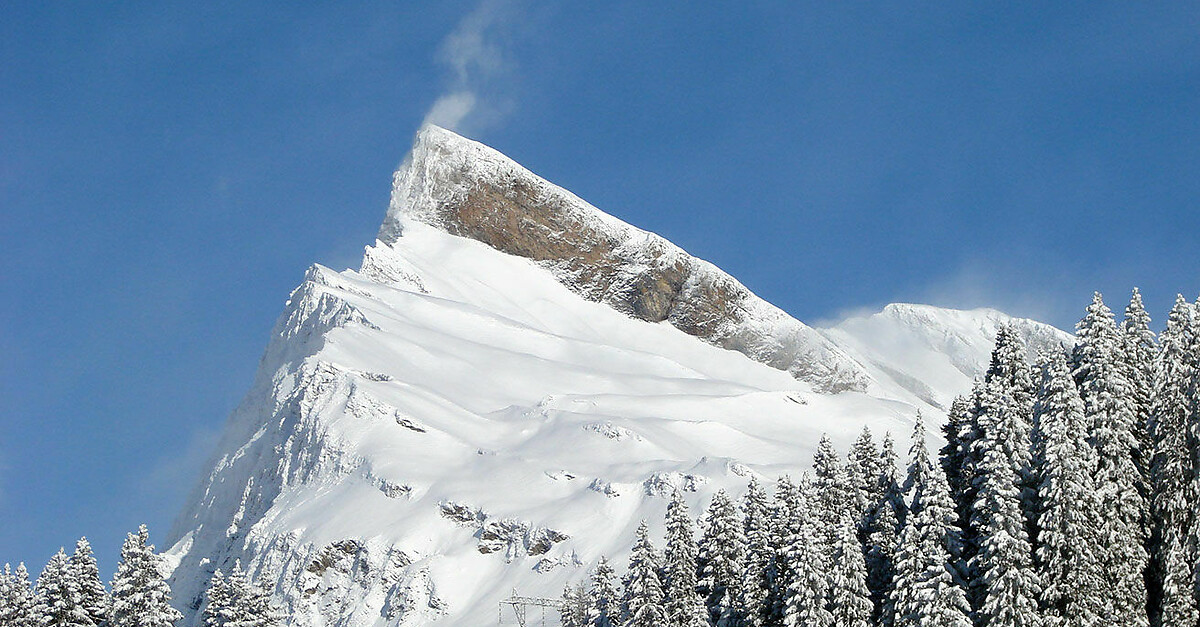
473	191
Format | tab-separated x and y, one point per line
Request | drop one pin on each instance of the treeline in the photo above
1067	495
70	593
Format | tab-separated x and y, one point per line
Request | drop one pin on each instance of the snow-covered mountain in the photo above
509	384
932	353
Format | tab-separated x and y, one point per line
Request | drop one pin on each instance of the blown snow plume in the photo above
507	386
476	62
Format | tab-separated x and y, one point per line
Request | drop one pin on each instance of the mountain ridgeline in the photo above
509	384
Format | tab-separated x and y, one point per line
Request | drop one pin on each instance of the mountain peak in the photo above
469	190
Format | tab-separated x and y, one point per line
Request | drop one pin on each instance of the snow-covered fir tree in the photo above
960	460
758	575
720	559
16	598
1007	585
605	604
832	494
926	591
1069	518
1001	408
849	599
218	605
684	607
140	595
1138	354
1010	374
919	463
863	467
249	603
1108	401
643	600
59	602
883	539
92	595
807	588
574	610
958	431
786	519
1173	468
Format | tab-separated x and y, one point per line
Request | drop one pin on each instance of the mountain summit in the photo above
471	190
492	402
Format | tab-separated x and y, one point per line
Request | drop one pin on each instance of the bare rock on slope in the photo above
473	191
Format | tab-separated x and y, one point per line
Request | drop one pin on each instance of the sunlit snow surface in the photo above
450	423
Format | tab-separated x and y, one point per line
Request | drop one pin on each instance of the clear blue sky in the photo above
168	171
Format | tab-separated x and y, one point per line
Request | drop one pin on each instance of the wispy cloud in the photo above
477	64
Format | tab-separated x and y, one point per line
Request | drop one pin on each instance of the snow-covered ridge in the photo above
451	422
471	190
930	352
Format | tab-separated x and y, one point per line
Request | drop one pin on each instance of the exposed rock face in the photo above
473	191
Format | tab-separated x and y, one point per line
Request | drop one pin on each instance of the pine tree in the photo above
605	606
786	518
849	599
59	602
218	606
883	542
1138	353
960	463
237	586
1069	516
684	607
1007	585
1002	408
574	610
758	568
16	598
720	560
93	596
807	589
927	592
140	596
919	464
1010	374
643	601
832	493
953	456
863	467
1108	401
1173	468
251	603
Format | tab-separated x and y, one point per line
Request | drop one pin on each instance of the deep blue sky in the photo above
168	172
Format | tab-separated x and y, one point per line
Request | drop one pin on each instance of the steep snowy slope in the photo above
932	353
452	422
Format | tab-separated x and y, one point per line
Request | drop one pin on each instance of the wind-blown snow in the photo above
450	423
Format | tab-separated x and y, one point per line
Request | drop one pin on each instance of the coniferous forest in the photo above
1067	494
70	593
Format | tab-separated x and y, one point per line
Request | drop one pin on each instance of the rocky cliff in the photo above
471	190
